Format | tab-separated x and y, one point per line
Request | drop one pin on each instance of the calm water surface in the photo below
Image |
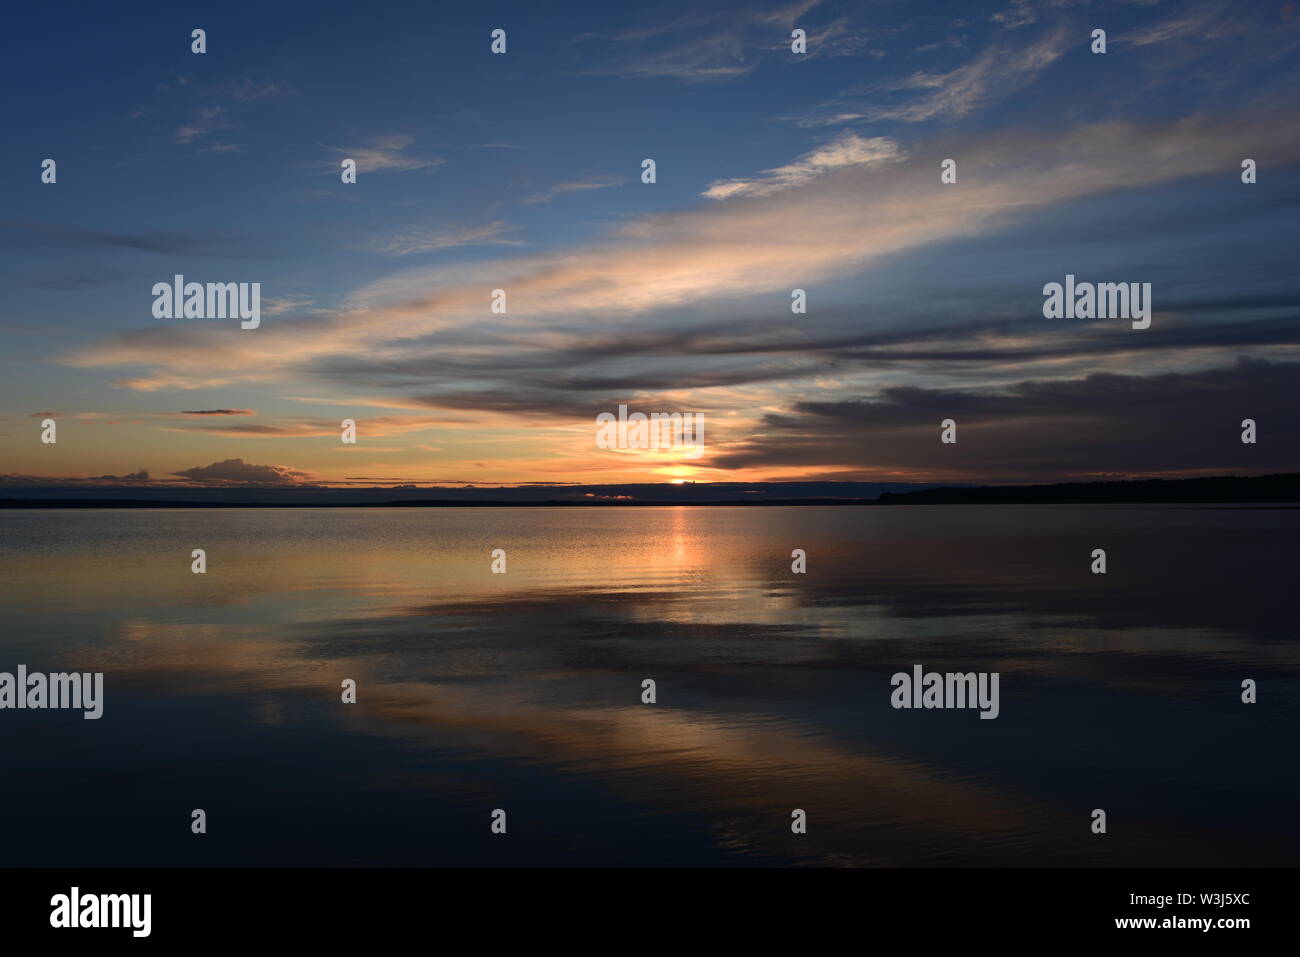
522	691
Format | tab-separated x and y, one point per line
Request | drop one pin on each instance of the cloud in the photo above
260	430
951	43
37	481
429	240
19	232
1099	424
560	188
723	44
215	412
206	120
1192	24
996	73
1021	13
248	91
715	55
278	307
848	149
239	472
213	116
827	119
372	427
140	476
825	221
387	154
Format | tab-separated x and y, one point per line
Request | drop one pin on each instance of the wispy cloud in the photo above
285	304
206	120
1195	23
848	149
1000	70
377	426
836	222
217	113
827	119
247	91
577	186
1021	13
387	154
428	240
950	43
26	233
722	44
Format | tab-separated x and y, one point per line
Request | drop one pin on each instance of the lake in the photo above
522	691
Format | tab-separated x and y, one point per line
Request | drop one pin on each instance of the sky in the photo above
774	171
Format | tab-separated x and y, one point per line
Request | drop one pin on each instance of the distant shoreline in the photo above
83	505
418	503
1274	491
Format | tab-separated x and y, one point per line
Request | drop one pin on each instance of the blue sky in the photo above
774	171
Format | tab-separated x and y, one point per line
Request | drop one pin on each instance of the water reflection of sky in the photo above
523	690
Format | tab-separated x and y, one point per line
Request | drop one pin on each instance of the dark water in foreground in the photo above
522	691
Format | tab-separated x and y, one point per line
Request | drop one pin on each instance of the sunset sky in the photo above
775	171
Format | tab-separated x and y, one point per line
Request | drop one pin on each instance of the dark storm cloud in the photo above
1103	423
